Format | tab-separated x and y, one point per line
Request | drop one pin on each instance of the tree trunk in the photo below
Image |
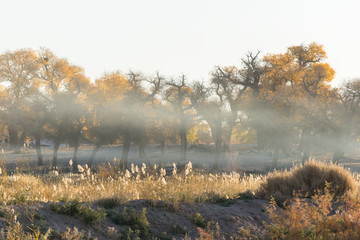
227	142
20	143
306	143
301	143
216	131
339	148
162	152
275	156
142	151
306	152
38	149
93	154
75	165
217	152
55	153
13	136
183	144
262	138
125	152
337	156
144	155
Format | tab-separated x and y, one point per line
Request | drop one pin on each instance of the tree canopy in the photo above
273	99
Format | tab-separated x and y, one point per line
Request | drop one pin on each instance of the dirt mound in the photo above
147	219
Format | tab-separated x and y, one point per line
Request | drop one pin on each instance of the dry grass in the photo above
138	183
110	186
306	181
322	217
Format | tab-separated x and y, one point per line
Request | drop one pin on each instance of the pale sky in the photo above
176	37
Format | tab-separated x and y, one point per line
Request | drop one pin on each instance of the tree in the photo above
240	90
212	112
301	69
139	101
106	120
177	94
162	127
34	120
341	115
64	86
18	69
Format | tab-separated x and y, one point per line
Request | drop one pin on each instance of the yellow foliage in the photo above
243	135
111	87
301	67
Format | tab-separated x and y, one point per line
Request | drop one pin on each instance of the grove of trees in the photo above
282	98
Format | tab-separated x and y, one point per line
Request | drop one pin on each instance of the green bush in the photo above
71	208
74	208
91	216
109	203
137	220
199	221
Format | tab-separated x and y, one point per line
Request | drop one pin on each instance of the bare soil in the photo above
162	216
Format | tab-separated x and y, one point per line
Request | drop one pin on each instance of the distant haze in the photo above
175	37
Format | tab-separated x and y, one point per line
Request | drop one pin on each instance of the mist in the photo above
281	104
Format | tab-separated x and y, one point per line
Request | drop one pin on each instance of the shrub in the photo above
321	217
177	229
305	181
213	197
71	208
247	195
73	234
74	208
199	221
137	220
109	203
4	213
212	231
91	216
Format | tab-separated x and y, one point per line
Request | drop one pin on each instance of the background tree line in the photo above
282	98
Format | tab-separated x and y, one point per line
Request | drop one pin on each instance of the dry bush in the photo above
321	217
306	180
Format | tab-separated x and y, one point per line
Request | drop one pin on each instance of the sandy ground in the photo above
161	216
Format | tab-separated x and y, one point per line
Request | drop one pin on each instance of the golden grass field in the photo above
315	201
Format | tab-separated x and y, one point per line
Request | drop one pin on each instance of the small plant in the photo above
20	197
74	208
212	231
166	205
247	195
213	197
177	229
4	213
225	201
199	221
73	234
129	233
15	230
137	220
71	208
91	216
109	203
